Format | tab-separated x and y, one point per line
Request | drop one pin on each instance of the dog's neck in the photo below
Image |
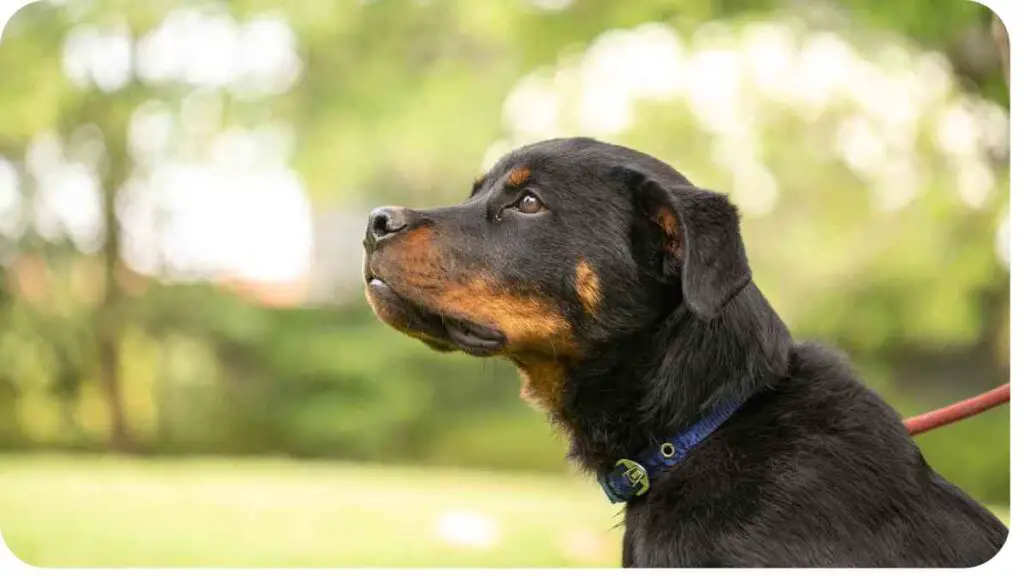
631	392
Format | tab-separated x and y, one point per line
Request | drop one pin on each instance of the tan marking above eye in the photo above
588	287
517	176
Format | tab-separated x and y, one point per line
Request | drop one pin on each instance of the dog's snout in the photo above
384	223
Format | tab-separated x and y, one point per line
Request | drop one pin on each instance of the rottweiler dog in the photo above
623	295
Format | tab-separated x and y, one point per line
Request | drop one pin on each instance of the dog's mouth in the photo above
440	331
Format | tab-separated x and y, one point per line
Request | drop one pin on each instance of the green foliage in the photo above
314	382
505	439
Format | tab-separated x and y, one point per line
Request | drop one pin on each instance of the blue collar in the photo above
631	478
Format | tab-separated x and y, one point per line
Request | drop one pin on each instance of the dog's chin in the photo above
441	332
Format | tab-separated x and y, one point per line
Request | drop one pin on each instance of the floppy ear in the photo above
700	240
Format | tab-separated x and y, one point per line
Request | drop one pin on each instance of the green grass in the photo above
68	511
89	511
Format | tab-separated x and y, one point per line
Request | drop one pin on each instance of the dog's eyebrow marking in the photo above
588	287
517	176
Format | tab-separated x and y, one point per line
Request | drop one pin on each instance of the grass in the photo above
89	511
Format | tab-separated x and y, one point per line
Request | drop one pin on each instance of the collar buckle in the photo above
626	480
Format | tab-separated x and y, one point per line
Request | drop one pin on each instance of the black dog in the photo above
623	295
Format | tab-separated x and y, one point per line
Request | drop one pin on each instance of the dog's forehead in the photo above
559	166
558	154
575	158
516	169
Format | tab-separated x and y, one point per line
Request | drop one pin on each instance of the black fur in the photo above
813	470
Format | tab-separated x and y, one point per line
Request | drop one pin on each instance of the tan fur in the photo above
542	384
526	321
588	287
517	176
668	222
418	244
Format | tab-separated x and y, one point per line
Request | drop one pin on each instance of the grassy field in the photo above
67	511
88	511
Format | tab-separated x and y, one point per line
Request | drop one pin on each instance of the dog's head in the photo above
563	246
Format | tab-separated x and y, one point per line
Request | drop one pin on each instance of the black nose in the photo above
385	222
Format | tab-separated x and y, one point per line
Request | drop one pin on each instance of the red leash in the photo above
959	411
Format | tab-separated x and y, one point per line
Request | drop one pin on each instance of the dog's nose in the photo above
384	223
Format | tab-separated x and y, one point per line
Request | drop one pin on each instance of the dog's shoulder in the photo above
816	471
822	383
823	417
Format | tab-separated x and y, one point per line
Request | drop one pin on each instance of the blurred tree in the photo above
111	113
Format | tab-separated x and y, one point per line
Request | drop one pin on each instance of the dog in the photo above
623	295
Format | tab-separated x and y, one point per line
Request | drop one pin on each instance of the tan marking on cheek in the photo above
517	176
417	267
525	321
588	287
417	243
414	261
542	384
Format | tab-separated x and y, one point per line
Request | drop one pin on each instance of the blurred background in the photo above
189	375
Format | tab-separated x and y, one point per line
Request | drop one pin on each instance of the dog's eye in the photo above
529	204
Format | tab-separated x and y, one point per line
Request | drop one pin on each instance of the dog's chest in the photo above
656	537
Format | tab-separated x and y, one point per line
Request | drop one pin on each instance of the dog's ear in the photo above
700	239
